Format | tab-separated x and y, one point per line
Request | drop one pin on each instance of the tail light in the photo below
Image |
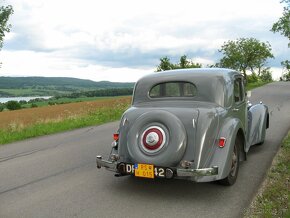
222	142
116	136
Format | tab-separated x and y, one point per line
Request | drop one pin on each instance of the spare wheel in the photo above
157	137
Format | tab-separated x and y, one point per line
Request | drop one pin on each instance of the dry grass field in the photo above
19	119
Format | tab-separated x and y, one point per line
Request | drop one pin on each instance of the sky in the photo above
123	40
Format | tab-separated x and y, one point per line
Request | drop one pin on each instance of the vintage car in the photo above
193	124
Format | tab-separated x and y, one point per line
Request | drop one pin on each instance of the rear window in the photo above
173	89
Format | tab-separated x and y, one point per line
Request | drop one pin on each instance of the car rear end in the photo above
171	130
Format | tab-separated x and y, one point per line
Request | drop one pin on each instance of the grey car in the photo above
193	124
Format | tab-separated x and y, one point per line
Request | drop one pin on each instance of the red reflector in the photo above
116	136
222	142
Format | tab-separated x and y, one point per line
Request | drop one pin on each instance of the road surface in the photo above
56	176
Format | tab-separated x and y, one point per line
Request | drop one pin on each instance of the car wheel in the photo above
235	163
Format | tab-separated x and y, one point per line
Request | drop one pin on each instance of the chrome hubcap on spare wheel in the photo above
153	139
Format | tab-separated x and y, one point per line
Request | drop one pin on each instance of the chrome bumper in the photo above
109	165
180	172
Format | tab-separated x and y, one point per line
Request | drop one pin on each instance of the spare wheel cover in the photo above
157	137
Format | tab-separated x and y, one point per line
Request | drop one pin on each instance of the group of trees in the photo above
244	54
165	64
16	105
102	92
10	105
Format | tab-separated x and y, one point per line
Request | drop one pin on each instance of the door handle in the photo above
235	110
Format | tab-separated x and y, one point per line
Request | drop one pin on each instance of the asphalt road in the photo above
55	176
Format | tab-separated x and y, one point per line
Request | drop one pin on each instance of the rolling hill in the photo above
52	86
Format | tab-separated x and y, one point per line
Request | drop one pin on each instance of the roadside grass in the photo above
254	85
273	198
17	131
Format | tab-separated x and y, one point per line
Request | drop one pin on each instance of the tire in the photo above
233	174
260	143
174	145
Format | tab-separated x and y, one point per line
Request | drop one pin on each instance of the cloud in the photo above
93	36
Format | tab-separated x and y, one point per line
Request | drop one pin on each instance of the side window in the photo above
238	90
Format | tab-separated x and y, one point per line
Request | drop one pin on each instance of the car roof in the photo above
187	74
213	84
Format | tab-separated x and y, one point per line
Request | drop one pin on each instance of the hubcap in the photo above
153	139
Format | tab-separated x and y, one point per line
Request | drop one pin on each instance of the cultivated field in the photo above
21	118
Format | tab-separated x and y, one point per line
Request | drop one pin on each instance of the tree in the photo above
1	107
266	75
165	64
186	63
13	105
283	24
5	12
286	67
245	54
283	27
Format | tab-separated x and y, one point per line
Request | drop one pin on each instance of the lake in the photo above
4	100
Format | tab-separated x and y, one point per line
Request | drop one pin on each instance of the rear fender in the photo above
222	157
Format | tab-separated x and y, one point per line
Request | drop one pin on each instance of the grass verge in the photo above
100	116
254	85
273	198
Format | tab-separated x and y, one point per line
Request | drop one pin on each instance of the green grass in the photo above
273	201
100	116
254	85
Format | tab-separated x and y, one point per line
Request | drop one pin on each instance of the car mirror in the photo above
248	94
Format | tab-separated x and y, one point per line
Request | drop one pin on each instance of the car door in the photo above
240	105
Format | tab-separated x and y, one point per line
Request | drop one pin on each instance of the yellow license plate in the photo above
144	170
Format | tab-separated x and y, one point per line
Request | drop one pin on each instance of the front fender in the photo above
222	157
258	123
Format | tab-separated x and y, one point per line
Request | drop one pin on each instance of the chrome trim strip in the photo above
197	172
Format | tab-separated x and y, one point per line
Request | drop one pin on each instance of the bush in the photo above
266	76
252	78
33	105
22	102
286	76
13	105
1	107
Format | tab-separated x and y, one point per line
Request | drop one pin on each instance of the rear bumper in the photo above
177	172
109	165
